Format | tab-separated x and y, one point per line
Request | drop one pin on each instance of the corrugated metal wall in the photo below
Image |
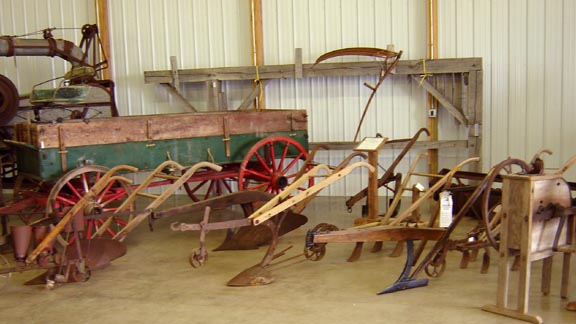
529	52
528	48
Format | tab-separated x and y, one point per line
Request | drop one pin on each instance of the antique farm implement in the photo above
75	174
79	93
272	214
486	193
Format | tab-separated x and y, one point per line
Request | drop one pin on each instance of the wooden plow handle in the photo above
121	235
447	178
276	206
398	195
566	165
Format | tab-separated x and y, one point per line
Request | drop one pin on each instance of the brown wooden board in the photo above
72	133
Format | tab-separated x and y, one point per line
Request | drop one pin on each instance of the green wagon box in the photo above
47	151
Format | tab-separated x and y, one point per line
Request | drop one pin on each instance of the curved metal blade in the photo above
362	51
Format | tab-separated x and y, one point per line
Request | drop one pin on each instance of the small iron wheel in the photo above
317	251
197	259
437	267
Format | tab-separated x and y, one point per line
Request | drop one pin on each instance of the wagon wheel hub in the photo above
93	208
279	180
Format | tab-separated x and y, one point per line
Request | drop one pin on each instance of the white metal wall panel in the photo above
528	48
567	148
200	33
23	17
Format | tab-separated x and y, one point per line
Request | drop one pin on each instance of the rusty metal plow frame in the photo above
271	214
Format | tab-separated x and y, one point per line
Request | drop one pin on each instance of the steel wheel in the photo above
74	185
316	251
492	198
9	100
437	267
272	164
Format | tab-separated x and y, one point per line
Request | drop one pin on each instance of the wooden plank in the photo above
298	63
381	233
443	100
214	87
176	95
257	46
457	144
249	100
104	34
175	77
286	71
161	127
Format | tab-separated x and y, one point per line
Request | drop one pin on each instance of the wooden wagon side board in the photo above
72	133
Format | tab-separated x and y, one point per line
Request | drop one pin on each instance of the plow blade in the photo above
251	237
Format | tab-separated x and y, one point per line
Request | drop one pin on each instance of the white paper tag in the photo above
445	208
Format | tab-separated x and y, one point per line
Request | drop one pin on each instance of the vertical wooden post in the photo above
372	198
104	31
214	88
257	45
431	103
372	146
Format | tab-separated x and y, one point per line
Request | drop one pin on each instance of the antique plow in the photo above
271	214
385	230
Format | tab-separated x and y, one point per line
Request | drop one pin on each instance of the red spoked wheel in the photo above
208	183
273	164
74	185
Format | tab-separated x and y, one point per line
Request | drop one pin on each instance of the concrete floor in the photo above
154	283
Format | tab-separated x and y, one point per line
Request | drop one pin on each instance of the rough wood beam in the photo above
257	44
456	144
442	100
176	95
298	63
247	103
286	71
103	30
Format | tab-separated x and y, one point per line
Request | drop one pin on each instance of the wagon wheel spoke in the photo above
74	185
208	183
